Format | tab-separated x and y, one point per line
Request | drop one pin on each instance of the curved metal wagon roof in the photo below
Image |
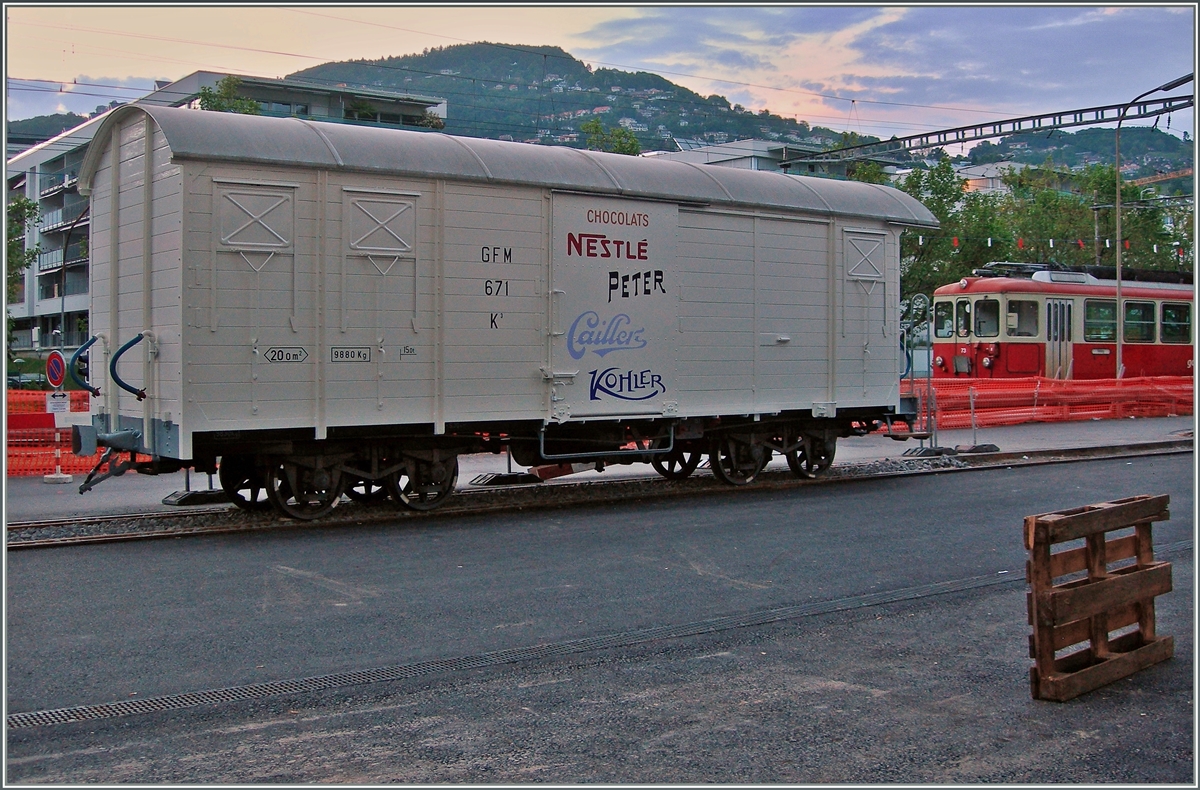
230	137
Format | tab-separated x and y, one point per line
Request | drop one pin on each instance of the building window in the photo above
1139	322
1022	318
1176	323
1099	321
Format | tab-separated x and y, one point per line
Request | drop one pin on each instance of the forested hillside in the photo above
46	126
543	93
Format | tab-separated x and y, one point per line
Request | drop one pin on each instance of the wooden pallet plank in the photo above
1104	517
1097	572
1144	542
1056	607
1076	631
1062	687
1082	659
1075	560
1040	581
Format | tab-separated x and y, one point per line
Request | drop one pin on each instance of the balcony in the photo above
49	261
23	340
52	288
49	183
62	218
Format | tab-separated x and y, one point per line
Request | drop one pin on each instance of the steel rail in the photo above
66	522
592	493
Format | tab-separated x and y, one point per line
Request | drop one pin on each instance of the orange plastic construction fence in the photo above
1000	402
34	401
38	451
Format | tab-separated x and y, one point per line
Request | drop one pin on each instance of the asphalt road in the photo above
928	689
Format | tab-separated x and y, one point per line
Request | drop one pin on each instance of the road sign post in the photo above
56	402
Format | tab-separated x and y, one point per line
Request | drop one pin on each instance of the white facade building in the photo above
54	297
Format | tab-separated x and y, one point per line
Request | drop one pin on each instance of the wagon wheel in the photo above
803	466
243	483
366	491
677	464
423	485
302	492
736	462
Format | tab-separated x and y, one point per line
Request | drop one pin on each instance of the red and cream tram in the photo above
1060	324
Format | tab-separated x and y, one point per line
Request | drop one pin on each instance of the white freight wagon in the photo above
319	305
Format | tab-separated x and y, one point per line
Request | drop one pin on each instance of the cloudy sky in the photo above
878	70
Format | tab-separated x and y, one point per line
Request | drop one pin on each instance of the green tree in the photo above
617	141
867	172
1042	211
431	120
22	212
927	258
361	110
1046	203
226	99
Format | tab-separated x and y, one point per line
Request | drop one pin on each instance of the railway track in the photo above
224	520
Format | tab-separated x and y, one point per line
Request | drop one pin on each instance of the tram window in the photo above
1176	323
962	321
1022	318
1139	322
943	319
987	318
1099	321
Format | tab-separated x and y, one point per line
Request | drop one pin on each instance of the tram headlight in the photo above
941	363
987	362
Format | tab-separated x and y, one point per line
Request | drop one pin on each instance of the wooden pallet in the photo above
1086	610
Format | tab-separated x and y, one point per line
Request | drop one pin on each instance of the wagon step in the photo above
901	436
505	479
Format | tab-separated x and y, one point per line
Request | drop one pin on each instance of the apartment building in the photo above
51	307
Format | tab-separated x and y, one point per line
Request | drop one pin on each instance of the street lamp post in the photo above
1120	371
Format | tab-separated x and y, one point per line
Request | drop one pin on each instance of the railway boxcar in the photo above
1060	324
319	305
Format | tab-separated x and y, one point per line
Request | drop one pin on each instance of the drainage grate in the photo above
514	655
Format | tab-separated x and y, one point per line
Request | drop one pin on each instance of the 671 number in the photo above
495	287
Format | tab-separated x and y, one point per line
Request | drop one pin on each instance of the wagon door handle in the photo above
112	367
